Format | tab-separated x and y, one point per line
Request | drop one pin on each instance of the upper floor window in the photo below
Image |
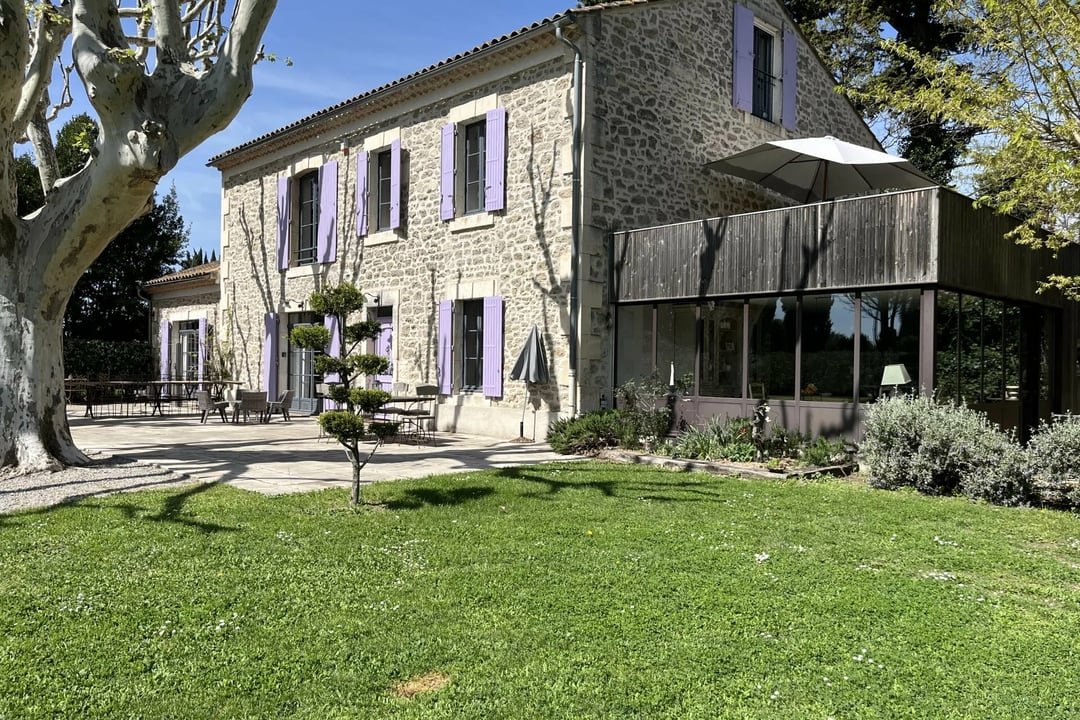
383	185
379	189
765	85
473	165
307	219
475	139
763	70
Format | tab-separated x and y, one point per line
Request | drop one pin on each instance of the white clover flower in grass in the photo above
761	557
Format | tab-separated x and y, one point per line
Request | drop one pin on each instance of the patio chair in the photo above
206	405
424	419
283	404
251	402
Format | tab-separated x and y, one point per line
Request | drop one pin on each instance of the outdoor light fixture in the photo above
893	376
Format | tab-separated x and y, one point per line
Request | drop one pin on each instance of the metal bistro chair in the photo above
424	418
283	404
206	405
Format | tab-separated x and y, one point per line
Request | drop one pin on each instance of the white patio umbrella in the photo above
822	168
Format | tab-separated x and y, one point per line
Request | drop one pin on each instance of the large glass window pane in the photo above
946	348
1013	353
772	348
890	336
721	349
676	343
828	347
993	368
971	357
633	346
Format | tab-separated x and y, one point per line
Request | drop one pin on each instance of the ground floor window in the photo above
472	344
982	347
781	347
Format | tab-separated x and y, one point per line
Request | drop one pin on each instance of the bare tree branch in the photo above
169	32
53	26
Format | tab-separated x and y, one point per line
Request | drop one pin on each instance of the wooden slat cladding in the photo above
976	256
921	237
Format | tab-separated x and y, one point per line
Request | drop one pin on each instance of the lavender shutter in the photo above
284	213
164	353
787	103
202	349
493	346
395	185
446	207
446	346
361	193
332	324
742	76
270	355
327	228
495	154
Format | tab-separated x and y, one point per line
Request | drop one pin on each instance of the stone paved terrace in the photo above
285	457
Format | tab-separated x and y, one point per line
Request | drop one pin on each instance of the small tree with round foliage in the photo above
344	374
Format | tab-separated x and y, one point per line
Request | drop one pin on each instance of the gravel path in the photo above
106	475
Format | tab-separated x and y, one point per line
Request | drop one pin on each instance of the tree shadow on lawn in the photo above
416	498
624	485
172	509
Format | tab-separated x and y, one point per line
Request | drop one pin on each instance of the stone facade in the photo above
657	107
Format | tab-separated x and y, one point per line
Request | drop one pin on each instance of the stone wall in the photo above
521	254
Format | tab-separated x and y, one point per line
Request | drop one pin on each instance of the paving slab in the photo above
287	457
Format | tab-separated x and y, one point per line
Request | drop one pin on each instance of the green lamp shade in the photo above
895	375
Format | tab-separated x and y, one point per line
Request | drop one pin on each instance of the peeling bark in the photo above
148	122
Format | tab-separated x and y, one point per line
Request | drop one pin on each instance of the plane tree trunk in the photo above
147	121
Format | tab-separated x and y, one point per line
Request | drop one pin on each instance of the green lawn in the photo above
565	591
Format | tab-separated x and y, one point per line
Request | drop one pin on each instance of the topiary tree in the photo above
343	366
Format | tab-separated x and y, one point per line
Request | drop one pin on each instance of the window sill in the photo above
382	237
474	221
302	271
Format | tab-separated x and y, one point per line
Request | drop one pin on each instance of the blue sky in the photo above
339	50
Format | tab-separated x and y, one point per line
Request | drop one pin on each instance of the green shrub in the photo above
737	452
113	360
1004	482
915	441
1053	455
823	452
717	439
585	434
697	443
646	418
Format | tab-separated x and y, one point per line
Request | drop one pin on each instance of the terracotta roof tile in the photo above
187	274
420	73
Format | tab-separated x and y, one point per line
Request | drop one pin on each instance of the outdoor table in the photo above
413	412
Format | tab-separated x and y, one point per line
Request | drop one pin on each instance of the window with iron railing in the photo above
308	222
765	82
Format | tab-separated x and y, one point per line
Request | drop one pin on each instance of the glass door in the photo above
302	377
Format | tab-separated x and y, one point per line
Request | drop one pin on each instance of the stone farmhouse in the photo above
556	177
476	198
